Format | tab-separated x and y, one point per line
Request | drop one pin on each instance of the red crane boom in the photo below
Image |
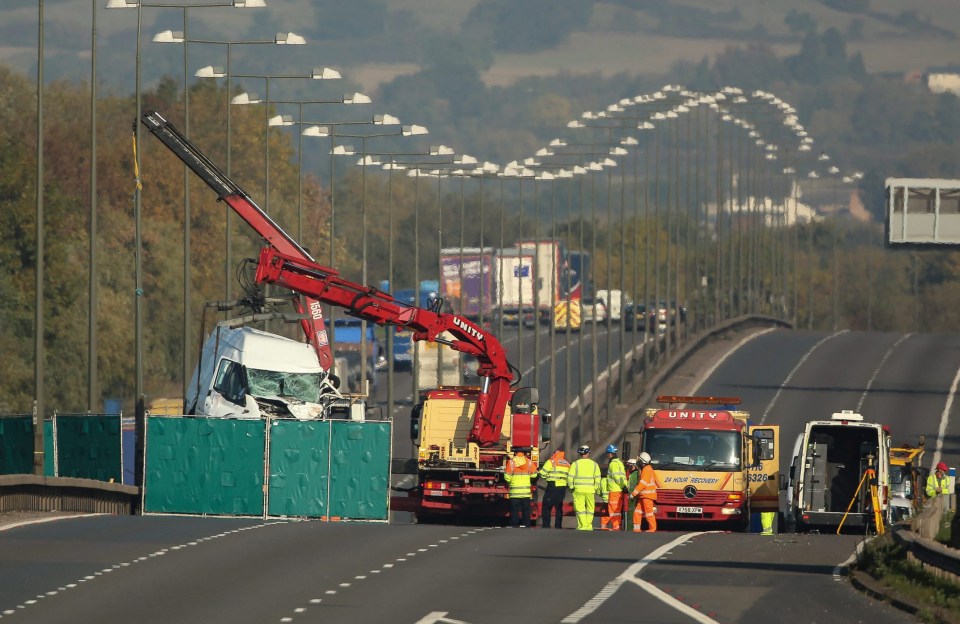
285	263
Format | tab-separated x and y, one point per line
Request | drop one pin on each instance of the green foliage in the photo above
800	23
885	560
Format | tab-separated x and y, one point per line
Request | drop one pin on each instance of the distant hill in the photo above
375	40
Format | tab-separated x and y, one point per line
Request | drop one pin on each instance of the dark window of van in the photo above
229	382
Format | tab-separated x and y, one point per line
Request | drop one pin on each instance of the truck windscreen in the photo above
268	383
699	449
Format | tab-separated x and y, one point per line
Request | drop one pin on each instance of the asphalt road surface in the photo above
171	569
109	570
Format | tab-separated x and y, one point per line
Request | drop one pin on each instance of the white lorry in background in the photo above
615	302
829	474
438	365
249	373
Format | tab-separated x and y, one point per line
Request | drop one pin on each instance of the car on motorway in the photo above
593	310
636	317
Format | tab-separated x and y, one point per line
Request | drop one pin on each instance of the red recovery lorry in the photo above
711	464
465	435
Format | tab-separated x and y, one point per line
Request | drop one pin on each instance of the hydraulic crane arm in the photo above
227	191
284	263
367	303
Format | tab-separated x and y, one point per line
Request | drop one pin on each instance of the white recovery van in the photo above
249	373
829	474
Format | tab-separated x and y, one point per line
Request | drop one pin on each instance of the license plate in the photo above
690	510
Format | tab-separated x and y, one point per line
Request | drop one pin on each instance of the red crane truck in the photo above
465	434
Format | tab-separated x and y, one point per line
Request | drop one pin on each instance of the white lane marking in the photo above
437	617
706	375
14	525
116	566
876	371
944	418
588	389
794	371
629	576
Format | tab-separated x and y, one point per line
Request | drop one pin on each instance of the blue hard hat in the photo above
612	448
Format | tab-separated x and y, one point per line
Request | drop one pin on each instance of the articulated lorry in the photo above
467	280
471	431
712	466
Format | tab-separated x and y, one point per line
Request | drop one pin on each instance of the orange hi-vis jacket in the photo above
646	484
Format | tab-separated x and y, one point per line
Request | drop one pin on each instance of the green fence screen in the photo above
16	444
360	470
317	469
299	468
88	446
203	466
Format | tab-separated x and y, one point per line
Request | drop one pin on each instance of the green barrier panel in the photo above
360	470
299	468
88	446
198	465
49	461
16	445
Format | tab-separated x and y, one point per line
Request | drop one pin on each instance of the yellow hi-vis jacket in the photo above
555	471
616	475
933	484
518	474
584	476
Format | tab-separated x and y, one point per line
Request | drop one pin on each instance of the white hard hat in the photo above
643	458
632	461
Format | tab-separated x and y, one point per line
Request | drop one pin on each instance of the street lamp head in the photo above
289	39
356	98
245	98
168	36
325	73
210	71
385	120
316	131
369	161
414	130
280	120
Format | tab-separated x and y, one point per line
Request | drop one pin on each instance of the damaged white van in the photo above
245	372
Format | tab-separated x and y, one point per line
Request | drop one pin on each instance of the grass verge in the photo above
885	561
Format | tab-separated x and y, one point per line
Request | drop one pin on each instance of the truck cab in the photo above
245	372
